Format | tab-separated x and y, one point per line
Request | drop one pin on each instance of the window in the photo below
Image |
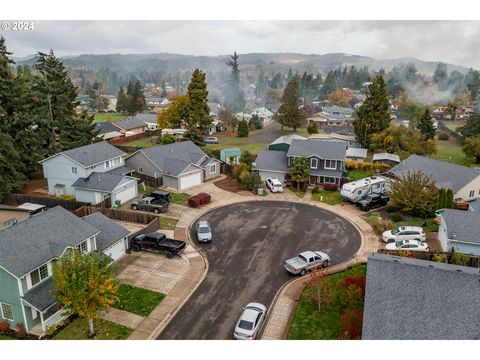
472	193
116	161
313	163
7	312
213	168
107	164
74	170
34	313
39	274
43	270
10	222
330	180
331	164
83	247
140	170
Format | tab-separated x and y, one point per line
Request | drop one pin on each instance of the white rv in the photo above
355	190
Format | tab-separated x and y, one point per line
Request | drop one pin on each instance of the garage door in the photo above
125	193
117	250
190	180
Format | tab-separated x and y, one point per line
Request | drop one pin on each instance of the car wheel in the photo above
134	207
303	272
325	264
169	254
136	248
156	211
390	241
366	208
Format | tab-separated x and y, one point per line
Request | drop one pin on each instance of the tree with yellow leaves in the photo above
85	284
340	97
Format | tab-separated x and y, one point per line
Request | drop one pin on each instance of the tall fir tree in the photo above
425	126
234	95
373	115
122	101
198	113
136	99
11	168
289	113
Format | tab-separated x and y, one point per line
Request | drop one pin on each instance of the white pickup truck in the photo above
306	261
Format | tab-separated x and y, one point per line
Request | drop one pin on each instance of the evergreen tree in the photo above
440	76
11	168
7	108
373	115
242	129
234	96
290	74
289	113
164	90
255	121
136	99
472	81
425	125
472	127
330	84
198	113
76	132
122	101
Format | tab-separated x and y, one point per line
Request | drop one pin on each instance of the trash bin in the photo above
260	191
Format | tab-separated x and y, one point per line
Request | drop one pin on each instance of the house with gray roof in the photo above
29	249
107	131
283	142
91	173
178	166
326	160
462	180
411	299
136	124
333	116
459	231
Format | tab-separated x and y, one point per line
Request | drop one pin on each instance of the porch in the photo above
48	318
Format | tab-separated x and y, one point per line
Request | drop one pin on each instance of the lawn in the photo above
179	198
328	197
5	337
300	193
137	300
167	223
309	324
106	330
142	143
354	175
142	191
101	117
450	150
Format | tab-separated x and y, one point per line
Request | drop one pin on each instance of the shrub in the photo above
330	187
315	190
312	128
381	225
460	259
238	169
255	122
395	217
352	321
242	129
4	326
168	139
393	208
443	136
66	197
438	258
366	166
247	157
51	330
21	331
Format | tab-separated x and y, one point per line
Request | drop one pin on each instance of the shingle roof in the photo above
287	139
104	127
270	160
110	231
417	299
40	238
462	225
99	181
445	174
173	158
386	156
339	109
92	154
331	150
41	296
474	205
137	121
356	153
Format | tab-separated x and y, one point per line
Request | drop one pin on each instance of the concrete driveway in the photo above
251	241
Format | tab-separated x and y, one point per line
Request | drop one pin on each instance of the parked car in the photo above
404	233
204	232
274	185
159	195
413	245
149	204
250	322
306	261
211	140
155	241
372	201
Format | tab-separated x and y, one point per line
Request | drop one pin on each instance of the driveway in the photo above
268	134
251	241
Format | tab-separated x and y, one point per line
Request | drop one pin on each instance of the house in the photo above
474	205
354	153
459	231
464	181
350	140
411	299
91	173
230	155
386	158
263	114
31	247
137	124
153	103
178	166
326	160
216	126
107	131
333	116
10	215
243	116
283	142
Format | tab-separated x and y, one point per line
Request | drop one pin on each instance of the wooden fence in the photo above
44	200
474	261
146	134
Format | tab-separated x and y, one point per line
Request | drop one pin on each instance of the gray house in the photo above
326	160
31	247
91	173
178	166
459	231
464	181
410	299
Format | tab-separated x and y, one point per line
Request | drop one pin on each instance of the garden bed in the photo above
228	184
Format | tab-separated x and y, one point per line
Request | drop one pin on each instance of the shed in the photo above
229	154
387	158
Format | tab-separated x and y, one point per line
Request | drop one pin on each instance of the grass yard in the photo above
101	117
179	198
354	175
142	143
5	337
309	324
328	197
451	150
137	300
141	190
168	223
106	330
300	193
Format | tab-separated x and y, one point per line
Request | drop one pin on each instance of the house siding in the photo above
206	172
139	160
31	322
10	294
7	215
464	193
88	196
448	246
279	147
170	182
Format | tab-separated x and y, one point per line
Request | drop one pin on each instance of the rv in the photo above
356	190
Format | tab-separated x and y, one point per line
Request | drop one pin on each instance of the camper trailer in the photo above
354	191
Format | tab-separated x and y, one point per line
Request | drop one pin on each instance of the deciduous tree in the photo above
299	171
340	97
472	147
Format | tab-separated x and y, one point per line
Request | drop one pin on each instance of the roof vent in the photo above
459	270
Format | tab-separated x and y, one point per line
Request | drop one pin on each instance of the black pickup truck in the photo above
158	242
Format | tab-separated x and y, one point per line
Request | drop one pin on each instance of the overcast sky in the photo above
453	42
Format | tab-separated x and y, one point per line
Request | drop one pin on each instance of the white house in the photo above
458	231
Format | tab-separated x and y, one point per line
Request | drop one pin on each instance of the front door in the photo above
313	180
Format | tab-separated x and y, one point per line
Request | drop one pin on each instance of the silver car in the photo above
204	232
250	322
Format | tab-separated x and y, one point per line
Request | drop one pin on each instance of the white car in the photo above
404	233
412	245
274	185
250	322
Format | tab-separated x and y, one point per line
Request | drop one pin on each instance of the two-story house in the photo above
91	173
29	250
326	160
178	166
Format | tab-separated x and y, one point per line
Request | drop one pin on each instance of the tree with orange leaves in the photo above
340	97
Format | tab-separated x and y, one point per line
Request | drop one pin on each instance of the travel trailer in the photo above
355	190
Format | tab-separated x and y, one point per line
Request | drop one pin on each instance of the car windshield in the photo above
203	229
395	231
302	258
400	244
245	325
